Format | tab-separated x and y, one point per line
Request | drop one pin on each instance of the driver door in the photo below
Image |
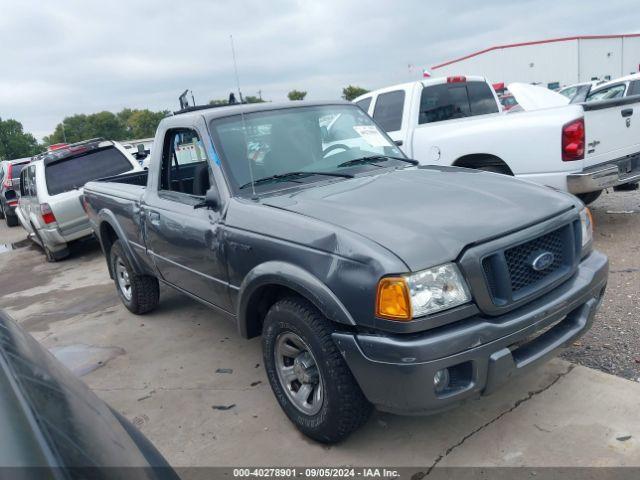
184	241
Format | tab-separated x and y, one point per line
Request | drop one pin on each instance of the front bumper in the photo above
604	176
396	372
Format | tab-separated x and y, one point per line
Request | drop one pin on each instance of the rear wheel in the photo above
12	220
589	197
139	293
307	373
51	255
495	169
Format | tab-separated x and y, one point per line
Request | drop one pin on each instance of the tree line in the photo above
124	125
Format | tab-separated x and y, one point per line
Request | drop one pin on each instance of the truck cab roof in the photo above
214	112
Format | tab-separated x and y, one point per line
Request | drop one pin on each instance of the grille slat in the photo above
519	260
509	273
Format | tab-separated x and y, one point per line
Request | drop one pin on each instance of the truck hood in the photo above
534	97
427	215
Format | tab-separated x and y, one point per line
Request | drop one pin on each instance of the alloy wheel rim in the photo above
122	275
298	373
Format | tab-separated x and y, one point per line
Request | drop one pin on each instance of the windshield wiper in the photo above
374	159
292	175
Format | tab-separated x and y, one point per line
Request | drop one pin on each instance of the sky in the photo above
62	57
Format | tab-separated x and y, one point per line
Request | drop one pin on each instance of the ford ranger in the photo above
373	281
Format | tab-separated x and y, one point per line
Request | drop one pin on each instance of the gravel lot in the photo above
613	343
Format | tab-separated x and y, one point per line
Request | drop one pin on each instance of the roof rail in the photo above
206	107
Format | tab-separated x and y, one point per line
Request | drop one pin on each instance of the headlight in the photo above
587	227
417	294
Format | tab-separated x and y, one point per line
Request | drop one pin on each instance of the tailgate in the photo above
69	213
612	130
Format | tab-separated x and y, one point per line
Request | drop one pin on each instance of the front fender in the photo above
277	273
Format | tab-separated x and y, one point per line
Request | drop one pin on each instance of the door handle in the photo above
627	112
154	217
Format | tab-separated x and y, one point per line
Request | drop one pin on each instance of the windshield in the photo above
318	139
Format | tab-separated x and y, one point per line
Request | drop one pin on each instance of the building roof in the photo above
537	42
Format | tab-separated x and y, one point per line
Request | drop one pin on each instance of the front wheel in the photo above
139	293
589	197
307	373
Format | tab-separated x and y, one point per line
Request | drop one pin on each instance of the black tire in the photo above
589	197
52	257
344	408
144	293
495	169
626	187
12	220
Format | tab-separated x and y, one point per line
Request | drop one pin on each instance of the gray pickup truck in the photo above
372	280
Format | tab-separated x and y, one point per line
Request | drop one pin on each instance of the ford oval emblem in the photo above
542	261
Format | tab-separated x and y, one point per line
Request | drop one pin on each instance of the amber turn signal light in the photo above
392	300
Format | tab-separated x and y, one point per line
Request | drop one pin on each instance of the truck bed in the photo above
135	178
130	186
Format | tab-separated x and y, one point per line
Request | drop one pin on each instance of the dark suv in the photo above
9	186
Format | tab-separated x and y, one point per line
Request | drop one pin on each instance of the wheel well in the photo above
259	304
108	237
481	160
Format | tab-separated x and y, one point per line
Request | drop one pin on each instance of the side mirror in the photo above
211	200
398	143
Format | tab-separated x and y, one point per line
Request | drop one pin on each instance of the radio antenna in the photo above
235	67
244	126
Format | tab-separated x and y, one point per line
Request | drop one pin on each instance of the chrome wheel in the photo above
298	373
122	276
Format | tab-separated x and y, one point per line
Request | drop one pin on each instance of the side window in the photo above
443	102
185	168
481	99
33	190
364	104
388	110
634	88
614	91
26	181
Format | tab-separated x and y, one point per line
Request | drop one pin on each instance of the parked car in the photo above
577	93
508	101
9	183
370	279
579	148
617	88
53	426
50	187
139	149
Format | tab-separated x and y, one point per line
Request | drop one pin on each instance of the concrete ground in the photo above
159	370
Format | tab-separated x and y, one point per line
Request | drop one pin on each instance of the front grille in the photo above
520	258
510	274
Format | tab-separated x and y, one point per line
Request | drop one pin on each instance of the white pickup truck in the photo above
580	148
